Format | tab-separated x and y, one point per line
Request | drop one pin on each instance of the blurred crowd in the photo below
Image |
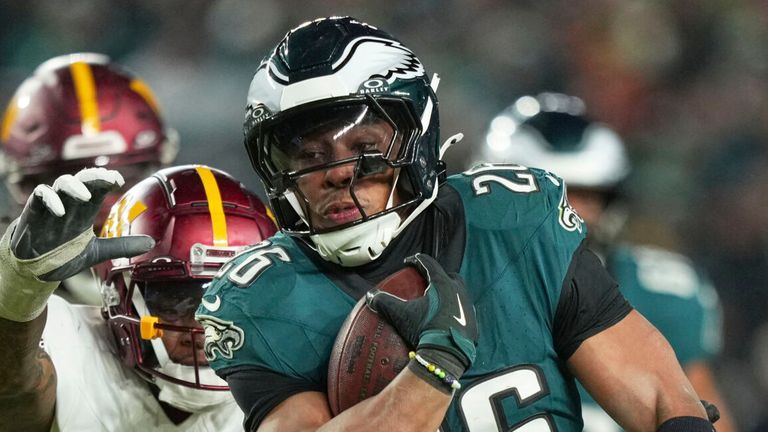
684	82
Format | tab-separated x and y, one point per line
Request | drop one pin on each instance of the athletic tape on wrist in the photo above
22	295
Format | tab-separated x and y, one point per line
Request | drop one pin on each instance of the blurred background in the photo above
684	82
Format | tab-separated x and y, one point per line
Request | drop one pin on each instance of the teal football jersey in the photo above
676	298
271	307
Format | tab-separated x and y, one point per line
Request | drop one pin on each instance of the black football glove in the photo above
55	216
441	324
53	239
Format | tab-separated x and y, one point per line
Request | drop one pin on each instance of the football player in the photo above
136	362
76	111
552	131
342	127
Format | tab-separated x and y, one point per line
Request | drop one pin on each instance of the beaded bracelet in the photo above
451	381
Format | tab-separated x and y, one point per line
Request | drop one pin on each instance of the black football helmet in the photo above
335	74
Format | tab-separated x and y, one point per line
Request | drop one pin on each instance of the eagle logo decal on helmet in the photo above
385	58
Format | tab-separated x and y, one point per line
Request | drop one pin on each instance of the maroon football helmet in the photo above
77	111
199	217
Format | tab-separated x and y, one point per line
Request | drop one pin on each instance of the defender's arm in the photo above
27	377
50	241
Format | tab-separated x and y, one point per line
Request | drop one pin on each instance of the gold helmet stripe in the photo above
271	215
8	119
215	205
136	209
145	92
85	88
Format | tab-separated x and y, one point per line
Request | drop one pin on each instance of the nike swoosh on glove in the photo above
442	320
53	239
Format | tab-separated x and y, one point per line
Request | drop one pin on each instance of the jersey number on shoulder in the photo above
524	181
481	403
244	273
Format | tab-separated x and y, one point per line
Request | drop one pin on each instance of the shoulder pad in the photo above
509	194
265	296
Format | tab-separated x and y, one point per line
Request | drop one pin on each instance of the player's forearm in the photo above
703	381
21	347
678	401
668	395
27	376
407	404
633	373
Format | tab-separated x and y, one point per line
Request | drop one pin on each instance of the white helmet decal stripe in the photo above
281	77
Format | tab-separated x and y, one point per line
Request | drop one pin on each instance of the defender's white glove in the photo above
53	239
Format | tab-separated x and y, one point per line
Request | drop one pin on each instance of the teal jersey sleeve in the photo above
271	308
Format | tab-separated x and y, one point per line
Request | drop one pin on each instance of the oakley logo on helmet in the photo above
221	337
256	113
374	85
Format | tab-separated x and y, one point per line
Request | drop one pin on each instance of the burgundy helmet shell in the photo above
81	110
199	217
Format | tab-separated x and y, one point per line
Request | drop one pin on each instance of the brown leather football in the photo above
368	352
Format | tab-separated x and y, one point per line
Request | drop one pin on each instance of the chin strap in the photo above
141	308
426	203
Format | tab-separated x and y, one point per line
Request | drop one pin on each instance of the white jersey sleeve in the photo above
96	392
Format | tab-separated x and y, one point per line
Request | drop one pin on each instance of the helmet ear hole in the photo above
121	333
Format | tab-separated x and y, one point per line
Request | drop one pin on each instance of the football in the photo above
368	352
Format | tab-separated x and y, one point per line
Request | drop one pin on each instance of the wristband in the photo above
23	295
686	424
451	381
